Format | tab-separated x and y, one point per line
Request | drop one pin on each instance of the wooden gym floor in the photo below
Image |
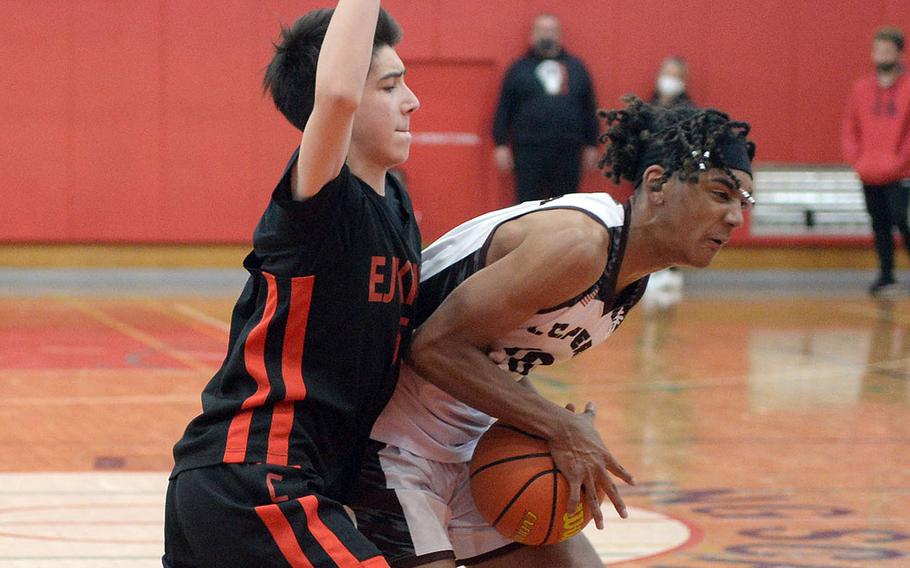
766	417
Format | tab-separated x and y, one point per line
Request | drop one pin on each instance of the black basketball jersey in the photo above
316	335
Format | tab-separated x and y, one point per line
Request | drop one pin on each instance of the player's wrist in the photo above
557	426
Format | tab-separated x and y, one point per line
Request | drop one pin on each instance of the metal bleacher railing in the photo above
806	200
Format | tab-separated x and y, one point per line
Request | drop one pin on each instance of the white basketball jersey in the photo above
426	421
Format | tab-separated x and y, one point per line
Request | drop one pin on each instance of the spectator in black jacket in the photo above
546	125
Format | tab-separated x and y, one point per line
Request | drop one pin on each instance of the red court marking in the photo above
695	536
92	334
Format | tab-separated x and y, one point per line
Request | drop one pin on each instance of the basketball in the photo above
518	490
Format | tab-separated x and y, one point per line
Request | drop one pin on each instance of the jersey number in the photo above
521	361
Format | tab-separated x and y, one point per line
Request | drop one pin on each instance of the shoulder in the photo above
570	251
526	61
566	238
578	235
337	188
286	219
574	60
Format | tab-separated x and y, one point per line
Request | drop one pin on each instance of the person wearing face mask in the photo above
545	127
670	87
876	143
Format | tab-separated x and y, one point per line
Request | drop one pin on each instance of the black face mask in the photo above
544	45
886	67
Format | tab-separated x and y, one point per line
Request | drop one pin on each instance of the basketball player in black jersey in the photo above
532	285
318	332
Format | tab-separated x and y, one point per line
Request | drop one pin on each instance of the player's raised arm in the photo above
341	72
541	267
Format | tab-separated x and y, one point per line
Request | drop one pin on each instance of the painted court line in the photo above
92	400
138	335
204	318
101	519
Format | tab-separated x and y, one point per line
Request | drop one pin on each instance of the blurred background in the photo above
144	122
765	412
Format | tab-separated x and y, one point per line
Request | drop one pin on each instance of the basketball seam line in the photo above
514	429
552	505
518	494
510	459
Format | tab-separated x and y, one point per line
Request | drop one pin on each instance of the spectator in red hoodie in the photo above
876	142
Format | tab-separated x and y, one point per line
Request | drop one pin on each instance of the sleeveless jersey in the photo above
316	336
423	419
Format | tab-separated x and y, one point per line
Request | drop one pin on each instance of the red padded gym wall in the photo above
144	121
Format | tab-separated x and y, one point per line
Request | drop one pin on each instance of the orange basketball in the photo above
519	491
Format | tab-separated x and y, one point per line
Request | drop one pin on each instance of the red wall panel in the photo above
116	164
144	121
210	81
447	171
35	120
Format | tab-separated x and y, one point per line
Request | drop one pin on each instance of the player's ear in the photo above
653	183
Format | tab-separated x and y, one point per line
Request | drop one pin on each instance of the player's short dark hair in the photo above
892	34
683	135
291	75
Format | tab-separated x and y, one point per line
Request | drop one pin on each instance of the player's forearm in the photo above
344	59
467	373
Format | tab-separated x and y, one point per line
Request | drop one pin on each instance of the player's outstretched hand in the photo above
582	457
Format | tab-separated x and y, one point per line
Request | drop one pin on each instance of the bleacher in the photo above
802	200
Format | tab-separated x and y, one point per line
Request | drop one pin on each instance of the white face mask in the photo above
669	86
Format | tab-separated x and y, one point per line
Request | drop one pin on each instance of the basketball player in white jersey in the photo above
536	284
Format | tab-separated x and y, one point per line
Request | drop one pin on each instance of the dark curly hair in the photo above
291	75
681	135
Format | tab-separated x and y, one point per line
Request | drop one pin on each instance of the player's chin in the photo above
400	156
701	258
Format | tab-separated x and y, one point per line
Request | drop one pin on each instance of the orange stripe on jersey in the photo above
291	369
284	536
326	538
254	359
295	337
280	433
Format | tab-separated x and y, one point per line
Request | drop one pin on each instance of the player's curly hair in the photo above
683	134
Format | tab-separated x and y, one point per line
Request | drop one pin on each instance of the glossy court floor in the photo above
766	417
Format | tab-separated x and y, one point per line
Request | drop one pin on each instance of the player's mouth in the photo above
717	242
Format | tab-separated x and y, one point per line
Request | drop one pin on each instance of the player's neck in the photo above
372	174
640	258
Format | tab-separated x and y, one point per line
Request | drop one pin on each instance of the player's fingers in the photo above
570	407
619	471
613	494
589	409
574	493
590	493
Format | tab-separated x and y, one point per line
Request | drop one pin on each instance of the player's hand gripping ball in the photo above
519	491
